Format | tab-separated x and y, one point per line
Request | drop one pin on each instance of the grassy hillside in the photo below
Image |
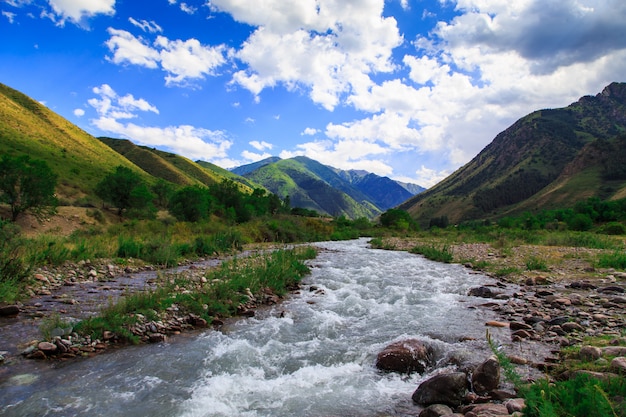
150	162
80	160
549	158
306	189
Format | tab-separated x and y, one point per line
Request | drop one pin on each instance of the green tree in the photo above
163	191
191	204
125	189
398	219
27	185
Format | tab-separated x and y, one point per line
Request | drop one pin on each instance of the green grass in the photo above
439	254
224	290
615	260
581	396
537	264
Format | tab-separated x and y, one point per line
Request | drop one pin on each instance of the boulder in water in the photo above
405	356
449	389
486	377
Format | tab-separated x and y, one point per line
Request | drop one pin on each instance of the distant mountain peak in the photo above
313	185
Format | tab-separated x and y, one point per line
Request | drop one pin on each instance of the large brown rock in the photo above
449	389
486	377
405	356
9	310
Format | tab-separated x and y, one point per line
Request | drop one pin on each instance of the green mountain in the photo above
550	158
310	184
174	168
79	159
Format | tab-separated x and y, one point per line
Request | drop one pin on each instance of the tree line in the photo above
28	186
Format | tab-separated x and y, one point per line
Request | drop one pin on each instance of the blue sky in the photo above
410	89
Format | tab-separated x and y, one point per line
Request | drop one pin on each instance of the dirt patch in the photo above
67	220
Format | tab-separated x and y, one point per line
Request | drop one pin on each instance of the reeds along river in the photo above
313	355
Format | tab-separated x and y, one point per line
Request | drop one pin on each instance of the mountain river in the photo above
312	355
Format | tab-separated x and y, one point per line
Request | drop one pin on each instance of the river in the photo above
312	355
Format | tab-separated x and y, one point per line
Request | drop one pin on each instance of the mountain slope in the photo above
79	159
374	193
525	165
306	189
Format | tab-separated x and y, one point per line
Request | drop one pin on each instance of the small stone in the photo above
494	323
619	365
519	326
436	410
589	353
157	337
47	347
572	327
515	405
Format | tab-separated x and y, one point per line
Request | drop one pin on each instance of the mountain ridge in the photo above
367	194
523	165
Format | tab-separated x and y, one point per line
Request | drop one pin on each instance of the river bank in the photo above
554	308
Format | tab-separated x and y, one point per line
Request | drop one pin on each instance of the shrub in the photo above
613	228
535	264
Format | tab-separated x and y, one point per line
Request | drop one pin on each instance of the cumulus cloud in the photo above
427	177
329	48
254	157
78	10
190	141
79	112
548	34
309	131
183	61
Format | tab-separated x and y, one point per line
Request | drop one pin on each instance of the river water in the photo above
312	355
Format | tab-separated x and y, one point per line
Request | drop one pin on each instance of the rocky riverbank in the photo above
41	326
540	313
570	305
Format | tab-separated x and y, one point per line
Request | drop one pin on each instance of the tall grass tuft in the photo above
434	253
615	260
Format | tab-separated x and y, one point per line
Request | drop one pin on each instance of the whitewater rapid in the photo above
312	355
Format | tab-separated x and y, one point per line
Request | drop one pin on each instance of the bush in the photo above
580	222
613	228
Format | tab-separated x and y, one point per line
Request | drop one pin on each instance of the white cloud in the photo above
189	141
181	60
129	49
150	27
254	157
188	8
427	177
79	112
309	131
326	47
9	15
261	145
188	59
78	10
